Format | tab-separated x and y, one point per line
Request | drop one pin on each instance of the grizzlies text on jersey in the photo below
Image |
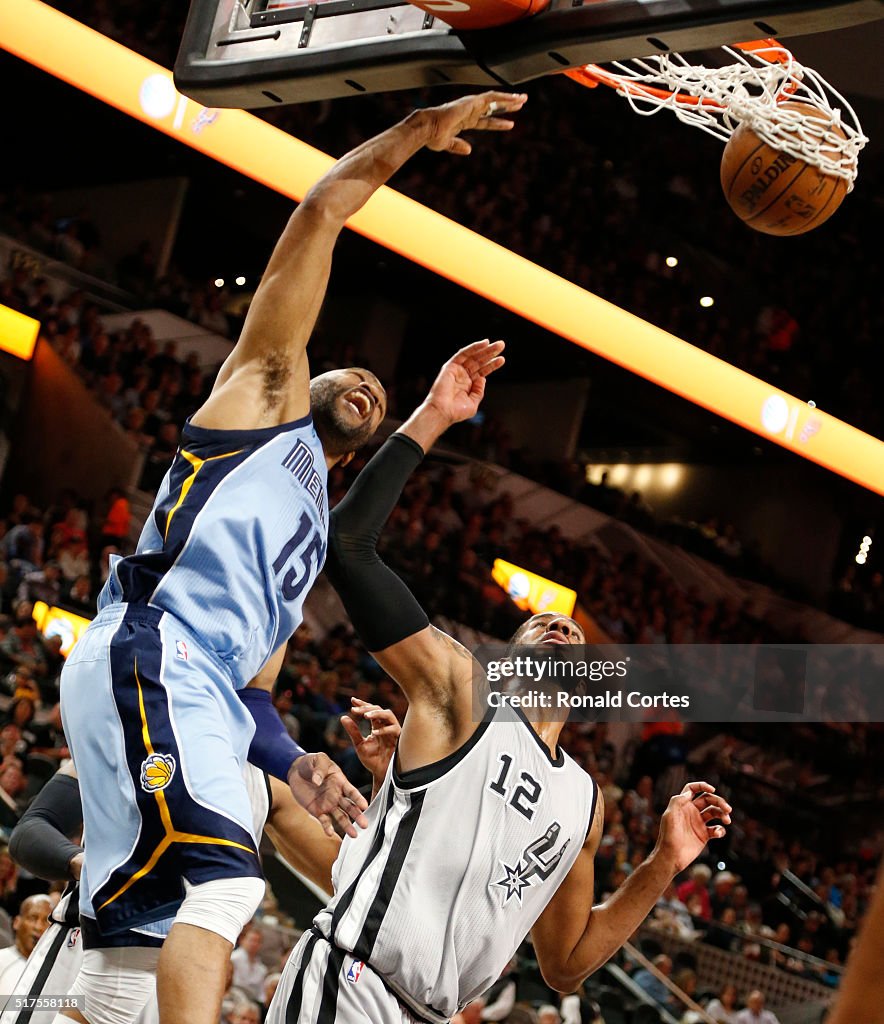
237	535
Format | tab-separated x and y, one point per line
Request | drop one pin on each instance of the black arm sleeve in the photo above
40	842
382	608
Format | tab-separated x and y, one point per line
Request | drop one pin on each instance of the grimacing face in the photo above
548	628
348	406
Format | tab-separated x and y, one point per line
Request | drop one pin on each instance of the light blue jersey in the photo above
235	540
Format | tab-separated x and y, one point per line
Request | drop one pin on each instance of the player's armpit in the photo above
300	838
266	379
429	666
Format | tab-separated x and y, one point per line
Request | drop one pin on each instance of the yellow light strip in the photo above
18	333
137	86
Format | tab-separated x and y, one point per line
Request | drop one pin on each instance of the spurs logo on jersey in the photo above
539	858
533	864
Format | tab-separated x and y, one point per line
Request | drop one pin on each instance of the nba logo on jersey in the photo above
73	937
355	970
181	650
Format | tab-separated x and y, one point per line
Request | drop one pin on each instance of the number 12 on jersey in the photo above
524	796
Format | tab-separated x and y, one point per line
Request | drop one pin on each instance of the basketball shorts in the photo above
159	739
322	984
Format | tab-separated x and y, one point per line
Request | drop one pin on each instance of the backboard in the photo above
259	53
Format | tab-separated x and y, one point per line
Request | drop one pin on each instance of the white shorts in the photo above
323	985
50	971
54	969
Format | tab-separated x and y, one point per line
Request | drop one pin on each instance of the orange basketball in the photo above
773	191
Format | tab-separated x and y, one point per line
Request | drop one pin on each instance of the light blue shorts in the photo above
159	739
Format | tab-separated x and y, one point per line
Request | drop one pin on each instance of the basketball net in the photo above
752	91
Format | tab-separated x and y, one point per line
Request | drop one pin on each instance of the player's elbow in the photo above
325	207
560	978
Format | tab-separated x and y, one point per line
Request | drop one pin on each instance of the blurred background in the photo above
139	257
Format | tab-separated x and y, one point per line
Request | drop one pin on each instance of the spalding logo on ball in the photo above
774	191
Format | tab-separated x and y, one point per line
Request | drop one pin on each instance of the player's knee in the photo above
224	906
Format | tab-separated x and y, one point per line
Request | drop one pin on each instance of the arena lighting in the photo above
861	559
533	593
219	282
240	281
18	333
52	621
706	301
105	69
671	261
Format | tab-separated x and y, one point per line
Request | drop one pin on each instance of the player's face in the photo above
32	922
549	628
348	407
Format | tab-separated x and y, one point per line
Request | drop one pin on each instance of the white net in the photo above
764	88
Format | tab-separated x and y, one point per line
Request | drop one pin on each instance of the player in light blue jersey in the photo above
157	706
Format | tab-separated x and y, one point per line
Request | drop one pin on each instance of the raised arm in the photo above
425	662
572	938
265	380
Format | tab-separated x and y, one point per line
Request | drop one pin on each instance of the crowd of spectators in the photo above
443	540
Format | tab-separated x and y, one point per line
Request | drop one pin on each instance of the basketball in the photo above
774	191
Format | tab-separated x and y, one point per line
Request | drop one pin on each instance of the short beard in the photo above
337	436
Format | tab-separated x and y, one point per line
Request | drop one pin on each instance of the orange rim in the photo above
592	75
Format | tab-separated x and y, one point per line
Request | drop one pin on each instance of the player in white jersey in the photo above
117	983
156	700
482	832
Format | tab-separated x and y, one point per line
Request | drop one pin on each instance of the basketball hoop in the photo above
756	90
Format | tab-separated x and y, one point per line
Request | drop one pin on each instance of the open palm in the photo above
458	390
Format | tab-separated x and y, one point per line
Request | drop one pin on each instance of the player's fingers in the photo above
352	729
386	730
708	800
382	717
459	147
341	823
473	350
492	101
694	789
715	832
495	124
353	797
714	813
473	360
491	366
327	825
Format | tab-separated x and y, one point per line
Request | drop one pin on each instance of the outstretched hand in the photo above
458	390
323	790
685	828
377	748
470	113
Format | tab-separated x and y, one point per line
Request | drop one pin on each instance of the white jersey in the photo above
458	862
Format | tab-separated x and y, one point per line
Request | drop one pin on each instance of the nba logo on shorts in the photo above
355	970
181	650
